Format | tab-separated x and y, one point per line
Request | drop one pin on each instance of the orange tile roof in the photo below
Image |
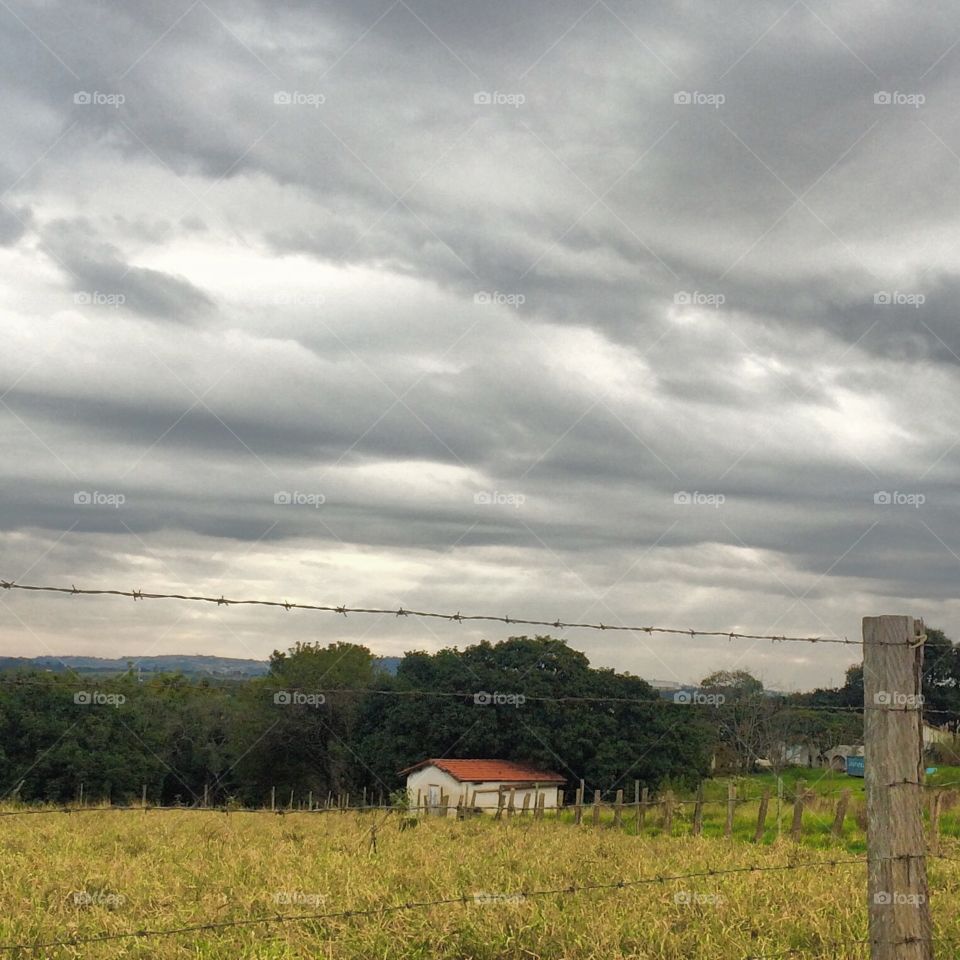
484	770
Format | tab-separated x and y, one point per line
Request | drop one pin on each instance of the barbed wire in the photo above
411	809
464	898
457	617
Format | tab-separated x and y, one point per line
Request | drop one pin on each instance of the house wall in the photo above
483	794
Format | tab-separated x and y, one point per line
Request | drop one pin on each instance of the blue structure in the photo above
854	766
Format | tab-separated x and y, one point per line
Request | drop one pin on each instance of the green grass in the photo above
818	814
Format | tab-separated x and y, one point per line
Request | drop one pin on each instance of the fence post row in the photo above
897	894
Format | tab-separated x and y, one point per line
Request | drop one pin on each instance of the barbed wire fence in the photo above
896	858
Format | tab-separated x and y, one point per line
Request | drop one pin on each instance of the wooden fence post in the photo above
636	801
273	798
731	808
668	813
596	808
936	803
618	810
698	812
526	802
762	816
897	892
512	802
143	796
578	807
799	796
642	812
842	803
499	814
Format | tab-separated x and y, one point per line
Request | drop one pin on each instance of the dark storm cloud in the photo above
408	254
96	269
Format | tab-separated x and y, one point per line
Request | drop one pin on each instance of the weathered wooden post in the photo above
273	798
512	802
731	808
837	830
897	892
799	796
578	807
143	796
499	813
526	803
762	816
936	804
596	808
642	810
618	810
698	812
668	813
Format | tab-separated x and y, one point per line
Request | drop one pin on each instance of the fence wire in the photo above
457	617
570	889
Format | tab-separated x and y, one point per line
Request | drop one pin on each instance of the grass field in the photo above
84	874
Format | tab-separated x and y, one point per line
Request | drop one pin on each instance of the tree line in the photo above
324	720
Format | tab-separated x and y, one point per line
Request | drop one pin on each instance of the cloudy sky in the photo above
605	311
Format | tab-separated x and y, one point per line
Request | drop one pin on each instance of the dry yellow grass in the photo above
157	870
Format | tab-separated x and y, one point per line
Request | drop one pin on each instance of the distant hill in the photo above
191	665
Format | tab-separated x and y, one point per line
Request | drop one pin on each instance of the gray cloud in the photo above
343	272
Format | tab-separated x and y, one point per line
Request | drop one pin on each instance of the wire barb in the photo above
458	617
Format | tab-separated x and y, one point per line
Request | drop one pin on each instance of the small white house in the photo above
479	784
